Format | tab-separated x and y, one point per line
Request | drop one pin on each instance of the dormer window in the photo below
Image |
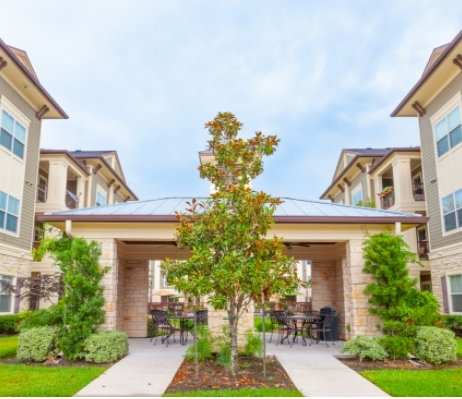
448	132
100	199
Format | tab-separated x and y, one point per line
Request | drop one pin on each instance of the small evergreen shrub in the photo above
258	324
204	345
435	345
453	322
37	344
253	345
53	316
224	350
105	347
365	348
9	324
398	347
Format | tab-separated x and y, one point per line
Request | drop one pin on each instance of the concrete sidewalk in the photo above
147	371
316	372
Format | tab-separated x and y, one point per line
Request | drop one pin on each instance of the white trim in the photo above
448	285
443	230
355	191
101	191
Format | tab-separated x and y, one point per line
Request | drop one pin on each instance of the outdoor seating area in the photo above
316	325
167	325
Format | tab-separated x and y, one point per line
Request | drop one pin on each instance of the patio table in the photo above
183	327
302	318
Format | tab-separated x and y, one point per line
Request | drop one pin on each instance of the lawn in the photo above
459	347
8	347
249	392
22	380
417	383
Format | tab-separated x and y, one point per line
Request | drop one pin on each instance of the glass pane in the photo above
3	197
5	139
13	206
20	132
2	219
458	196
357	197
448	204
5	303
459	217
453	119
18	149
455	136
422	234
456	284
457	303
441	130
450	222
11	223
7	122
443	146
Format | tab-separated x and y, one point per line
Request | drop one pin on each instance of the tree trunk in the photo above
185	304
232	315
277	304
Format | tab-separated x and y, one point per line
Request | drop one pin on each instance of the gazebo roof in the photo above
291	211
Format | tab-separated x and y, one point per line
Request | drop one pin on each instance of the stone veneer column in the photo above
323	282
109	259
358	319
441	267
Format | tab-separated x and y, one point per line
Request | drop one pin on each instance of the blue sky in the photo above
142	77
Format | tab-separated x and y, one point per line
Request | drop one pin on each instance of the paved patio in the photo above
148	371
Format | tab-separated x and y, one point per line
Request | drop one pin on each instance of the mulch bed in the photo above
366	365
213	376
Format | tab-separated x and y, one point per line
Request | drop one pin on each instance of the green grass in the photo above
8	347
459	347
258	324
252	392
22	380
417	383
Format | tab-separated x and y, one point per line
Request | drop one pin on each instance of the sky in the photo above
142	77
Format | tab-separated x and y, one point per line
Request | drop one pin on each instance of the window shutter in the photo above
445	294
17	300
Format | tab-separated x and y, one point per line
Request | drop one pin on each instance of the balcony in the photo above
423	249
418	191
42	193
387	199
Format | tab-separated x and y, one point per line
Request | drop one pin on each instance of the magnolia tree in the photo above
232	261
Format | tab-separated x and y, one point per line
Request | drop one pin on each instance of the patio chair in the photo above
308	323
285	326
162	323
325	327
273	320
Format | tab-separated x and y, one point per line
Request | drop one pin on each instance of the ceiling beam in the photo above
41	112
347	181
420	110
98	167
341	188
361	167
110	183
117	189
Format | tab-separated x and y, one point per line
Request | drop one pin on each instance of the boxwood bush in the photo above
11	323
53	316
105	346
38	343
365	348
435	345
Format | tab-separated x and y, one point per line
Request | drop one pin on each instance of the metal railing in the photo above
388	200
42	193
423	249
418	191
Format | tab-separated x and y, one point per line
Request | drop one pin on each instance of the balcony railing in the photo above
388	200
423	249
42	193
418	190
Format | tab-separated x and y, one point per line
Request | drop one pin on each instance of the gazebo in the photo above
328	234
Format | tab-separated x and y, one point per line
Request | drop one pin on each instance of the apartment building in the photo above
389	179
69	180
436	101
24	103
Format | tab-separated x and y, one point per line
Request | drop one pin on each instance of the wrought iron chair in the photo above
162	323
325	327
306	325
284	326
274	322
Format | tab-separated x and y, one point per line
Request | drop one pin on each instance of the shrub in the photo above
105	346
204	345
452	322
365	348
258	324
224	350
9	324
398	347
38	343
253	345
53	316
435	345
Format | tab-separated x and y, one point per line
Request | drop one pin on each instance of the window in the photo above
5	296
9	212
100	199
358	196
448	132
452	211
166	284
456	292
12	135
